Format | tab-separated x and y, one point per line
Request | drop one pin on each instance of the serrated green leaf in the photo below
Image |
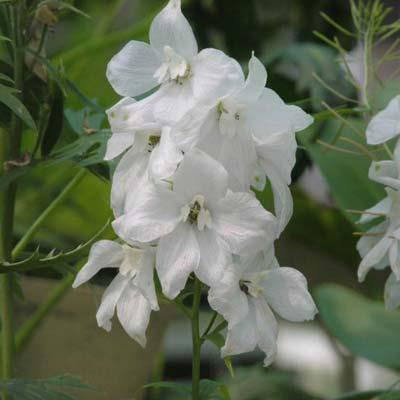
43	389
365	327
4	77
37	261
8	98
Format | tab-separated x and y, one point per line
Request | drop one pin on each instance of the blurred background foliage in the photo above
281	34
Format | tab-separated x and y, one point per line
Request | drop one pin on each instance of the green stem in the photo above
106	23
21	245
196	341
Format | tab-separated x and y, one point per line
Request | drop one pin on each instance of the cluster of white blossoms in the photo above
380	247
181	193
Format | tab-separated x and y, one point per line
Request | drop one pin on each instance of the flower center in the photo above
196	213
174	68
132	262
153	141
251	285
230	114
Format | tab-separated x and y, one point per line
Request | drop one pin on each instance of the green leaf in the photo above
215	338
37	261
362	325
175	386
371	395
212	390
4	77
4	38
346	174
55	123
7	97
43	389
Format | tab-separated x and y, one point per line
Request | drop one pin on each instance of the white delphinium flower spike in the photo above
386	124
245	295
251	132
172	61
199	223
131	292
152	155
379	247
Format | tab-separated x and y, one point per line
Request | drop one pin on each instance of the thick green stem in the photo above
10	144
196	341
21	245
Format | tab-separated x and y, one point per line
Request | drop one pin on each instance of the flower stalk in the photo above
196	341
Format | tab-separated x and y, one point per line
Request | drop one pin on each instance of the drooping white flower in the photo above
251	132
246	295
386	124
172	61
379	248
131	292
152	154
199	223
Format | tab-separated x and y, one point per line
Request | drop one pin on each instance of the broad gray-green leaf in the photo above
7	97
365	327
346	174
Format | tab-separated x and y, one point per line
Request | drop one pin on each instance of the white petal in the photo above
171	28
392	292
394	258
144	278
386	124
178	255
238	156
103	254
242	337
133	312
278	152
199	174
227	299
165	157
266	328
130	72
117	144
213	257
109	301
373	257
215	75
255	81
172	101
287	293
157	215
270	115
129	180
243	224
383	207
385	172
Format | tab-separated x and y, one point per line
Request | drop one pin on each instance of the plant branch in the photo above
24	241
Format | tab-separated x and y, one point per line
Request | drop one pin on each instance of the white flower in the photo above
386	124
392	292
380	246
172	61
198	223
152	154
131	292
251	132
387	172
245	295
